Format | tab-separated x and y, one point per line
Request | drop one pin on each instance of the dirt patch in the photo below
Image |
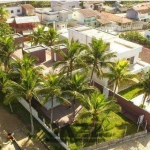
9	122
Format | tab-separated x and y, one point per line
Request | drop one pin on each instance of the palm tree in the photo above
97	106
71	59
119	71
51	89
7	47
51	37
144	86
98	56
37	36
75	87
26	89
4	14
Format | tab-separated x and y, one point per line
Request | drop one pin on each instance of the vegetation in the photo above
130	92
119	71
97	57
136	37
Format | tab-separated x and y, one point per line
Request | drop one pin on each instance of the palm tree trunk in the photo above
31	118
115	88
10	107
144	99
52	110
92	74
73	107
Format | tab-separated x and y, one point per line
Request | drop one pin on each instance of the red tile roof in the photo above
142	9
89	13
113	17
28	6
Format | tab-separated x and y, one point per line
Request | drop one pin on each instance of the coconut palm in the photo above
144	86
4	14
37	35
51	37
51	90
98	56
71	59
7	47
26	89
118	72
75	87
97	106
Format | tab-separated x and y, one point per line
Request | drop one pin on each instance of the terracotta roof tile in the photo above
142	9
115	18
103	21
89	13
28	6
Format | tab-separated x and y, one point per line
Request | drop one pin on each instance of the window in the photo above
73	6
12	11
91	6
18	10
57	25
57	16
131	60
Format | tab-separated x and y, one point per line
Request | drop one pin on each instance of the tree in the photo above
5	29
118	72
97	106
144	86
98	56
51	90
75	87
4	14
30	83
37	35
71	59
7	47
50	37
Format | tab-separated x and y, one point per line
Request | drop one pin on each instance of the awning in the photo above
10	20
27	19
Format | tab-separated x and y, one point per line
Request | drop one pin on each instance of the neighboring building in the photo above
20	24
121	23
28	10
15	11
95	5
18	40
141	13
123	49
58	5
86	17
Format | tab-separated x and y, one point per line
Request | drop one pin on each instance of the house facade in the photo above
64	4
123	49
86	17
94	5
28	10
15	11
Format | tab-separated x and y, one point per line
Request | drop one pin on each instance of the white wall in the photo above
87	5
14	9
79	17
50	17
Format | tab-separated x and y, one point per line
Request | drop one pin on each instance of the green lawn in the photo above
40	133
77	134
130	92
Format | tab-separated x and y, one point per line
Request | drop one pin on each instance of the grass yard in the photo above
40	133
77	134
130	92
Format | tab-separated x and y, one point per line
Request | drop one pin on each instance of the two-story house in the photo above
14	11
64	4
95	5
86	17
123	49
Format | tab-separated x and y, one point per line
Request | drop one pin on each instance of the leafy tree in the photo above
7	47
37	36
119	71
144	86
51	90
97	106
51	37
4	14
71	59
5	29
75	87
30	83
98	56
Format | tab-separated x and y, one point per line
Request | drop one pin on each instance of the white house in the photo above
95	5
64	4
123	49
14	11
86	17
